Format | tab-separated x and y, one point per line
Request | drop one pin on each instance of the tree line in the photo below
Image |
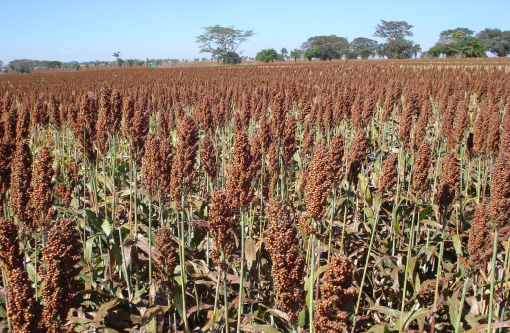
223	44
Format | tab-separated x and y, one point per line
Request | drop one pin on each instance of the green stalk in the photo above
457	323
241	277
491	297
438	273
331	224
183	263
411	235
135	197
374	229
104	189
225	295
216	301
6	285
150	240
343	230
35	275
311	282
507	275
114	166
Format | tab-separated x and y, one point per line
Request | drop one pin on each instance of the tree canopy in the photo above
393	30
331	47
470	47
451	35
222	42
267	55
296	54
457	42
496	41
22	65
315	52
395	33
363	47
283	53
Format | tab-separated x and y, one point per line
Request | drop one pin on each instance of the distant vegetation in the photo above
223	45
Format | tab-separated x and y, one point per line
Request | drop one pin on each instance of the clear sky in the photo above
93	30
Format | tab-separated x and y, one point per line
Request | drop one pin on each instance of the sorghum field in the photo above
295	197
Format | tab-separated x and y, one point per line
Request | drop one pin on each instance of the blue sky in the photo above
93	30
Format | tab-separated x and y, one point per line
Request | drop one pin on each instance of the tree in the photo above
393	30
364	47
471	47
22	65
267	55
296	54
116	55
452	35
315	52
332	47
222	42
53	64
284	53
399	49
450	50
496	41
457	42
395	33
1	63
434	52
416	50
231	58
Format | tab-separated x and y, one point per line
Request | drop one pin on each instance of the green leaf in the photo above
211	321
92	218
89	245
177	299
385	310
107	227
424	212
262	328
104	309
411	269
457	245
396	224
381	329
140	292
452	307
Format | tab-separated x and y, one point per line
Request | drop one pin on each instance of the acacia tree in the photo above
222	42
331	47
496	41
393	30
452	35
22	65
364	47
395	33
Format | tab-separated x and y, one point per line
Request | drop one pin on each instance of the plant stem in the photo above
491	296
311	282
241	277
411	235
183	264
